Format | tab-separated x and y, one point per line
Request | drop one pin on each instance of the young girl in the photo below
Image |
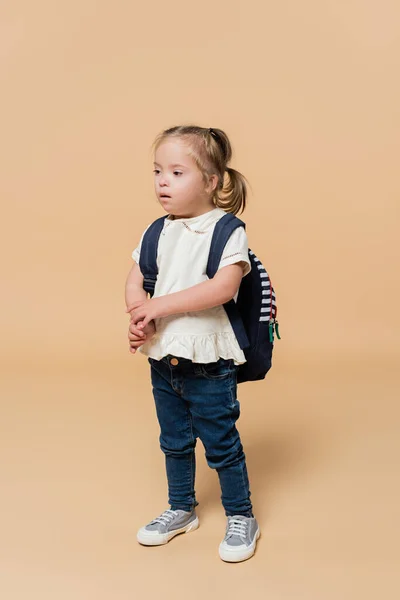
187	336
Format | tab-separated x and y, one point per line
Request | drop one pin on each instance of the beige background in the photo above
309	94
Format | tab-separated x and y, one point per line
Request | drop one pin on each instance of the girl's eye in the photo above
157	171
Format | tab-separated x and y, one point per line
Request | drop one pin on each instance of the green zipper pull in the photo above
271	330
277	330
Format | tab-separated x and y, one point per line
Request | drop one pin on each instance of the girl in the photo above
187	336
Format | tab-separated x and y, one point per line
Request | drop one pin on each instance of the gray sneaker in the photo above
169	524
240	539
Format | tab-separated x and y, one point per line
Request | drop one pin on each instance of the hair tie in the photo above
217	139
213	133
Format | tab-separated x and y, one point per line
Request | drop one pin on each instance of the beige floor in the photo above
82	470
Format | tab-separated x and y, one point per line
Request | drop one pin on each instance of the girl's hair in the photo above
211	150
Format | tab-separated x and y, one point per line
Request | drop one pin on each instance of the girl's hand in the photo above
145	311
137	337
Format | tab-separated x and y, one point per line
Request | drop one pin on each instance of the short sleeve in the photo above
136	252
236	250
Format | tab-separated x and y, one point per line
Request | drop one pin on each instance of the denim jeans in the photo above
198	400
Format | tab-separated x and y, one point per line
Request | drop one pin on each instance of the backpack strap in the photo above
148	254
222	232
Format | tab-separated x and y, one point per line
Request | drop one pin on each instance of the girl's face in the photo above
179	183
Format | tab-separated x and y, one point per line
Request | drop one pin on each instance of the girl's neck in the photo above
172	217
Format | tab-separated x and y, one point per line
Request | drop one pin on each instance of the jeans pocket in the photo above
221	369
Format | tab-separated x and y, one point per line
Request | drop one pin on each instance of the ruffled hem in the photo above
198	348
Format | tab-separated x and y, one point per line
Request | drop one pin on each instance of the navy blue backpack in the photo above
252	316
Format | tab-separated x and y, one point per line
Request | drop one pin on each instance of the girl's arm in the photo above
134	291
213	292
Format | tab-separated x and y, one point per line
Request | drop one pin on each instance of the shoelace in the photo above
237	527
166	517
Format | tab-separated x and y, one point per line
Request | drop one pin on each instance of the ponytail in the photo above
232	197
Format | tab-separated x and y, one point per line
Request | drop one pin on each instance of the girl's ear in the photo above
212	183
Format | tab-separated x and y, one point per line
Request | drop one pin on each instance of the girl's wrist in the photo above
161	307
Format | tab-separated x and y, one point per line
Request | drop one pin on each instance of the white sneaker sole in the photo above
238	554
150	538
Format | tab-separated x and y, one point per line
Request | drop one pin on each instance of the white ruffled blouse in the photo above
201	336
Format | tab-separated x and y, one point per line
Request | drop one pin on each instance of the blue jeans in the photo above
198	400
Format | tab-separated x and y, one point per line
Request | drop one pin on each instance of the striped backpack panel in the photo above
269	309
